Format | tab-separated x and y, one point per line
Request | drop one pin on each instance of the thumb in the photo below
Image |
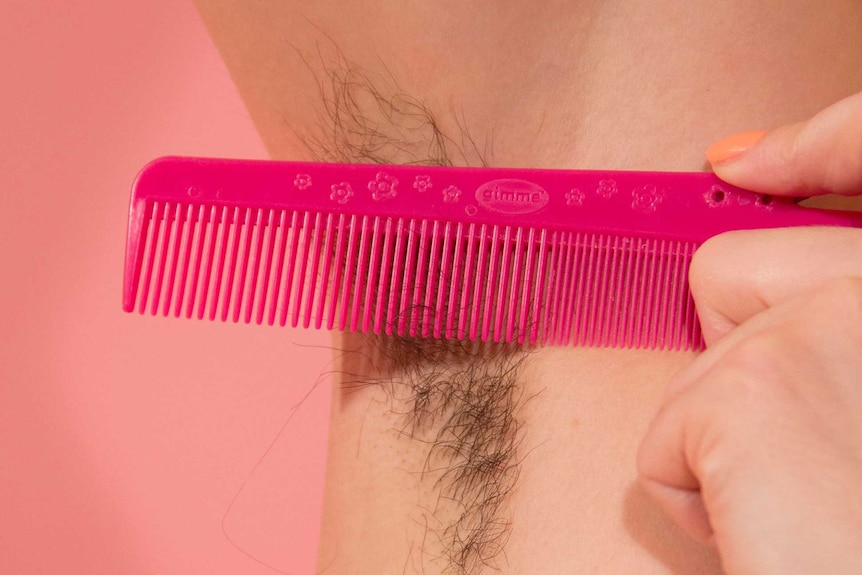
821	155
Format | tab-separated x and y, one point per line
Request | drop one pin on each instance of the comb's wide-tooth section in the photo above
166	241
305	241
373	272
452	311
271	233
316	255
294	244
228	253
526	288
430	282
395	280
224	229
187	252
382	315
175	256
491	279
153	211
465	307
327	265
502	286
443	282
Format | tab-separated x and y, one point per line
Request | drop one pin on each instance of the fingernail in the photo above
732	146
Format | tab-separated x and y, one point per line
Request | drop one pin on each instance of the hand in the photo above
757	449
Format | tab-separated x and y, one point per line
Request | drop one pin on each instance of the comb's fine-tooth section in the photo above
466	306
539	299
575	275
636	295
578	313
663	293
668	337
622	309
597	283
570	278
524	288
610	297
647	292
651	316
684	299
554	280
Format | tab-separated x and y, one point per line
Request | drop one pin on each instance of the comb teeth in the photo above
411	276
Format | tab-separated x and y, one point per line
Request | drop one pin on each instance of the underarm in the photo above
519	460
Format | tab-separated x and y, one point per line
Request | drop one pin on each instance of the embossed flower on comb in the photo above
341	193
422	183
575	197
451	195
646	198
302	181
607	188
382	187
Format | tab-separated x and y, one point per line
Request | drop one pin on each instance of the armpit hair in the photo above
366	117
458	398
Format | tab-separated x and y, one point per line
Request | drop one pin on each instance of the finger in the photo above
821	155
736	275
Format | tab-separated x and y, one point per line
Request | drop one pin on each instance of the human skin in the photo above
781	312
640	86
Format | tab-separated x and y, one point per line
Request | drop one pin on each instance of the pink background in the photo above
124	438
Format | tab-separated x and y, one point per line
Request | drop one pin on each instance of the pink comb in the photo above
593	258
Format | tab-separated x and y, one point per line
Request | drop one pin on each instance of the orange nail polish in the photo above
732	146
